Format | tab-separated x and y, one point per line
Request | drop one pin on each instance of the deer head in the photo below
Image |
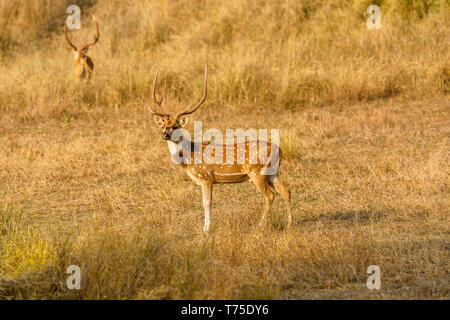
83	63
165	120
83	51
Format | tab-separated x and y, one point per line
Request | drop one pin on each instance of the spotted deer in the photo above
206	172
84	66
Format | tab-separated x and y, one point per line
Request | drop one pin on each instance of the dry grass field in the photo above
364	117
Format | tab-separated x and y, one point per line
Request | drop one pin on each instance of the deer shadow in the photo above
354	216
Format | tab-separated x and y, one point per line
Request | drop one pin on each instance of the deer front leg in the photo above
207	199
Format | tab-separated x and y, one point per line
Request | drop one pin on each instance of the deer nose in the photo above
166	136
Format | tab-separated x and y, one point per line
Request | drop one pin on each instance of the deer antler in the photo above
155	83
97	35
65	34
188	110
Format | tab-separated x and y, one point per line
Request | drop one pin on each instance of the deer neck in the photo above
179	148
175	147
80	58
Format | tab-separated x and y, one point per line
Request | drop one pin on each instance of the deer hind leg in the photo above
263	187
207	199
281	188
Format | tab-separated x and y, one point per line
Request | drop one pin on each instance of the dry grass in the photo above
364	119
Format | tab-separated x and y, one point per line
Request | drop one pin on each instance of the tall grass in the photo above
281	54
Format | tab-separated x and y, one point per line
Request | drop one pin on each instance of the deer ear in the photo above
159	121
183	121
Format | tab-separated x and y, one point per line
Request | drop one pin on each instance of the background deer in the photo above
83	63
206	174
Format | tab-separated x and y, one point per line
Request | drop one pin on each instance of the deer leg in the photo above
207	199
279	186
263	187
